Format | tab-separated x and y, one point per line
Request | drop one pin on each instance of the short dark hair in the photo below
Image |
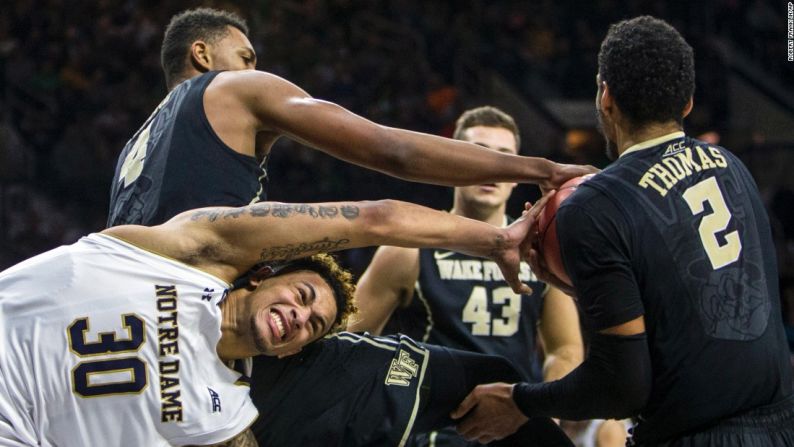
189	26
649	68
487	116
339	279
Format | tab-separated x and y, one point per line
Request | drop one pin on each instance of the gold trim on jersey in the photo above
397	345
426	304
417	400
653	142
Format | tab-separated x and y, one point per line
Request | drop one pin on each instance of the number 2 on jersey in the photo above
709	191
476	312
108	375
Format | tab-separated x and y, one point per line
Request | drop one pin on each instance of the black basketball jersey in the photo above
176	162
469	306
361	390
347	390
675	230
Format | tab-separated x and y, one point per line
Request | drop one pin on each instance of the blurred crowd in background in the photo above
78	78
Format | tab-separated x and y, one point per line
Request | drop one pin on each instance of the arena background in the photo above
77	78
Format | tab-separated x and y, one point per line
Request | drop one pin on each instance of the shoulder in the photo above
591	196
593	211
249	82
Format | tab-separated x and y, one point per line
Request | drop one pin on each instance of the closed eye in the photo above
303	295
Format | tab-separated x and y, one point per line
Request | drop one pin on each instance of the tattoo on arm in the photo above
350	212
210	214
292	251
234	214
283	211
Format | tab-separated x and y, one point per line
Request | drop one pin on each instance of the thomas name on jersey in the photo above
168	349
678	163
476	270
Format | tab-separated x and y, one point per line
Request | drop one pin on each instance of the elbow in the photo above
630	402
379	218
401	156
399	160
634	391
562	360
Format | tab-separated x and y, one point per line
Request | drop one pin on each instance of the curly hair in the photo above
340	280
189	26
649	68
488	116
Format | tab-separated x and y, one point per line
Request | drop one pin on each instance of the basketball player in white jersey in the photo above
121	338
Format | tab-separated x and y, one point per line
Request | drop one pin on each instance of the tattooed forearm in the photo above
281	210
291	251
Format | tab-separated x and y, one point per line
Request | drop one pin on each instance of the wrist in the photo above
518	394
539	170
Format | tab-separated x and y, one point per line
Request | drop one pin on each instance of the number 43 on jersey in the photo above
477	313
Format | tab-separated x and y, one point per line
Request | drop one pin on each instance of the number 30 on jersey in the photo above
112	374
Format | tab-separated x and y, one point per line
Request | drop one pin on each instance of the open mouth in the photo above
278	325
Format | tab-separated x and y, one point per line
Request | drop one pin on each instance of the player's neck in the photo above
627	138
493	216
188	74
234	334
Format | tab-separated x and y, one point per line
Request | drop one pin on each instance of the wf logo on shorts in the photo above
402	370
216	400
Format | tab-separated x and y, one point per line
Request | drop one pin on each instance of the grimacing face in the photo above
289	311
490	195
233	52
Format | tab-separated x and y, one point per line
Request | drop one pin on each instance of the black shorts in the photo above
358	390
768	426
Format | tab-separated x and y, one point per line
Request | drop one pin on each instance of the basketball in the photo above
548	245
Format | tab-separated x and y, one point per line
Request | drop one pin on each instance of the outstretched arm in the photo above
228	241
281	107
387	284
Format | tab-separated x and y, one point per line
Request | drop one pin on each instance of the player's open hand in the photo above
489	413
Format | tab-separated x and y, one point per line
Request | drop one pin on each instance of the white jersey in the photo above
104	343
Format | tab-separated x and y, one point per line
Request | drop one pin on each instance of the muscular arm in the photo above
559	331
615	379
279	107
228	241
387	284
